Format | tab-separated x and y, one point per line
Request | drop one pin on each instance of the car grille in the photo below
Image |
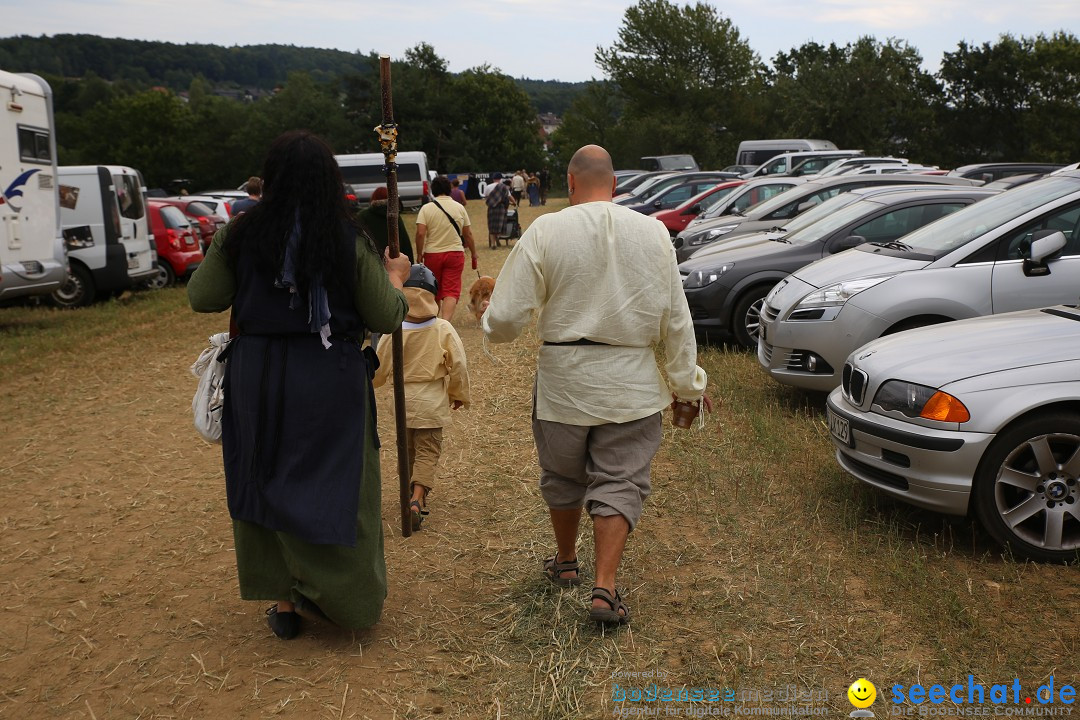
769	313
882	476
795	360
766	352
854	384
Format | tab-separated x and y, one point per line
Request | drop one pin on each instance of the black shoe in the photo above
308	607
286	625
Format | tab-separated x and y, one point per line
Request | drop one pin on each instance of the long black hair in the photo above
301	179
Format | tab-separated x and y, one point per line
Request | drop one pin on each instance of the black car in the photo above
726	284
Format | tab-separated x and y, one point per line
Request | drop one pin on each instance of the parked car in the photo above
784	163
629	183
846	165
218	205
641	185
675	195
178	249
756	152
677	218
989	172
777	211
668	162
646	191
1014	251
981	415
207	221
726	284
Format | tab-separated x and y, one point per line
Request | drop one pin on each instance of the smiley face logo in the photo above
862	693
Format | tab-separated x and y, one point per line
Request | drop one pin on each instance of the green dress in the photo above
373	219
347	583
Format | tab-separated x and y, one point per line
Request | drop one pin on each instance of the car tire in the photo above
164	278
1027	488
746	318
77	290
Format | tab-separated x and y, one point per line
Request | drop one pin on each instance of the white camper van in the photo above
106	231
32	258
364	172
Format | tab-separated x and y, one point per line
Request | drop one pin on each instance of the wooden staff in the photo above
388	138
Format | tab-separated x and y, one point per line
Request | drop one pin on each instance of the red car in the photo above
676	219
208	221
178	248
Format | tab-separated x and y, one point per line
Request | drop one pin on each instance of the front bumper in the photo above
708	307
926	467
786	347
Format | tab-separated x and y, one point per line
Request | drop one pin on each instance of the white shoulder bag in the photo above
210	396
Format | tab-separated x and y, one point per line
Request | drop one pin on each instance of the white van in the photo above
364	172
106	231
756	152
32	258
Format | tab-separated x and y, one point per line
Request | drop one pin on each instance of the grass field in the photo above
758	565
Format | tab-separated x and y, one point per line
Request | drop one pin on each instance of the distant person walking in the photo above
532	186
498	199
253	187
299	439
517	186
545	185
457	193
443	234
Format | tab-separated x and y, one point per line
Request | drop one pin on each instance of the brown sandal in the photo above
553	570
616	604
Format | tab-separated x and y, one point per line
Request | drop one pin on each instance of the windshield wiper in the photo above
777	228
733	211
779	238
893	245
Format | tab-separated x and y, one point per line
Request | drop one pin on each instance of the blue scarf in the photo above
317	302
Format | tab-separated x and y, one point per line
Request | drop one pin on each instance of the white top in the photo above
517	183
601	272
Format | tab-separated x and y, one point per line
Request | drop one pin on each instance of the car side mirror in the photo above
847	243
803	207
657	204
695	209
1044	245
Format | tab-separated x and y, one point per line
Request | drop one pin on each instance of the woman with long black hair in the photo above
298	429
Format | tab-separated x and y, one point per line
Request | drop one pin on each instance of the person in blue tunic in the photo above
298	428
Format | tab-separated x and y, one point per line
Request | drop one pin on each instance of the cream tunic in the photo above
601	272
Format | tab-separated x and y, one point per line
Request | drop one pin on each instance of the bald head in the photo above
590	175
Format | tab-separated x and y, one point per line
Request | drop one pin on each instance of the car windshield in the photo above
714	199
198	208
953	231
647	186
832	221
775	203
818	212
741	200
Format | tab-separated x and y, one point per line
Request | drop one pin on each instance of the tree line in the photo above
682	79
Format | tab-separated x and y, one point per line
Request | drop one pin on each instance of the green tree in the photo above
593	118
1016	99
688	78
868	95
494	124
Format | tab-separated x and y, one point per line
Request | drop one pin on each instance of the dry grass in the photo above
757	564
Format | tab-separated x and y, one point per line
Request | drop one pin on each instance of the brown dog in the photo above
480	295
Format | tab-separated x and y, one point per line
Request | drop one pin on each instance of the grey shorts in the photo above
604	468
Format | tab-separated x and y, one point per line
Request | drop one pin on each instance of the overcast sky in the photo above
542	39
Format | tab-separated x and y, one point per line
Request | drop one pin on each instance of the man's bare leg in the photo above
565	524
609	533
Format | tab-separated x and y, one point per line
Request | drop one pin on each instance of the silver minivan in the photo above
1014	251
364	172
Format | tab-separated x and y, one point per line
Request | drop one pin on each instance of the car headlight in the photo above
837	295
701	278
915	400
711	235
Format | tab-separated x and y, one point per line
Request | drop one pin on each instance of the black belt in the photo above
582	341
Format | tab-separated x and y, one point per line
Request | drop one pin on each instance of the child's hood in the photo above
422	305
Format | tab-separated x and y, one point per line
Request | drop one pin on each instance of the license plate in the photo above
763	331
839	427
133	263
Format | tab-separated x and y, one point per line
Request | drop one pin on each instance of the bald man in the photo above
606	284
